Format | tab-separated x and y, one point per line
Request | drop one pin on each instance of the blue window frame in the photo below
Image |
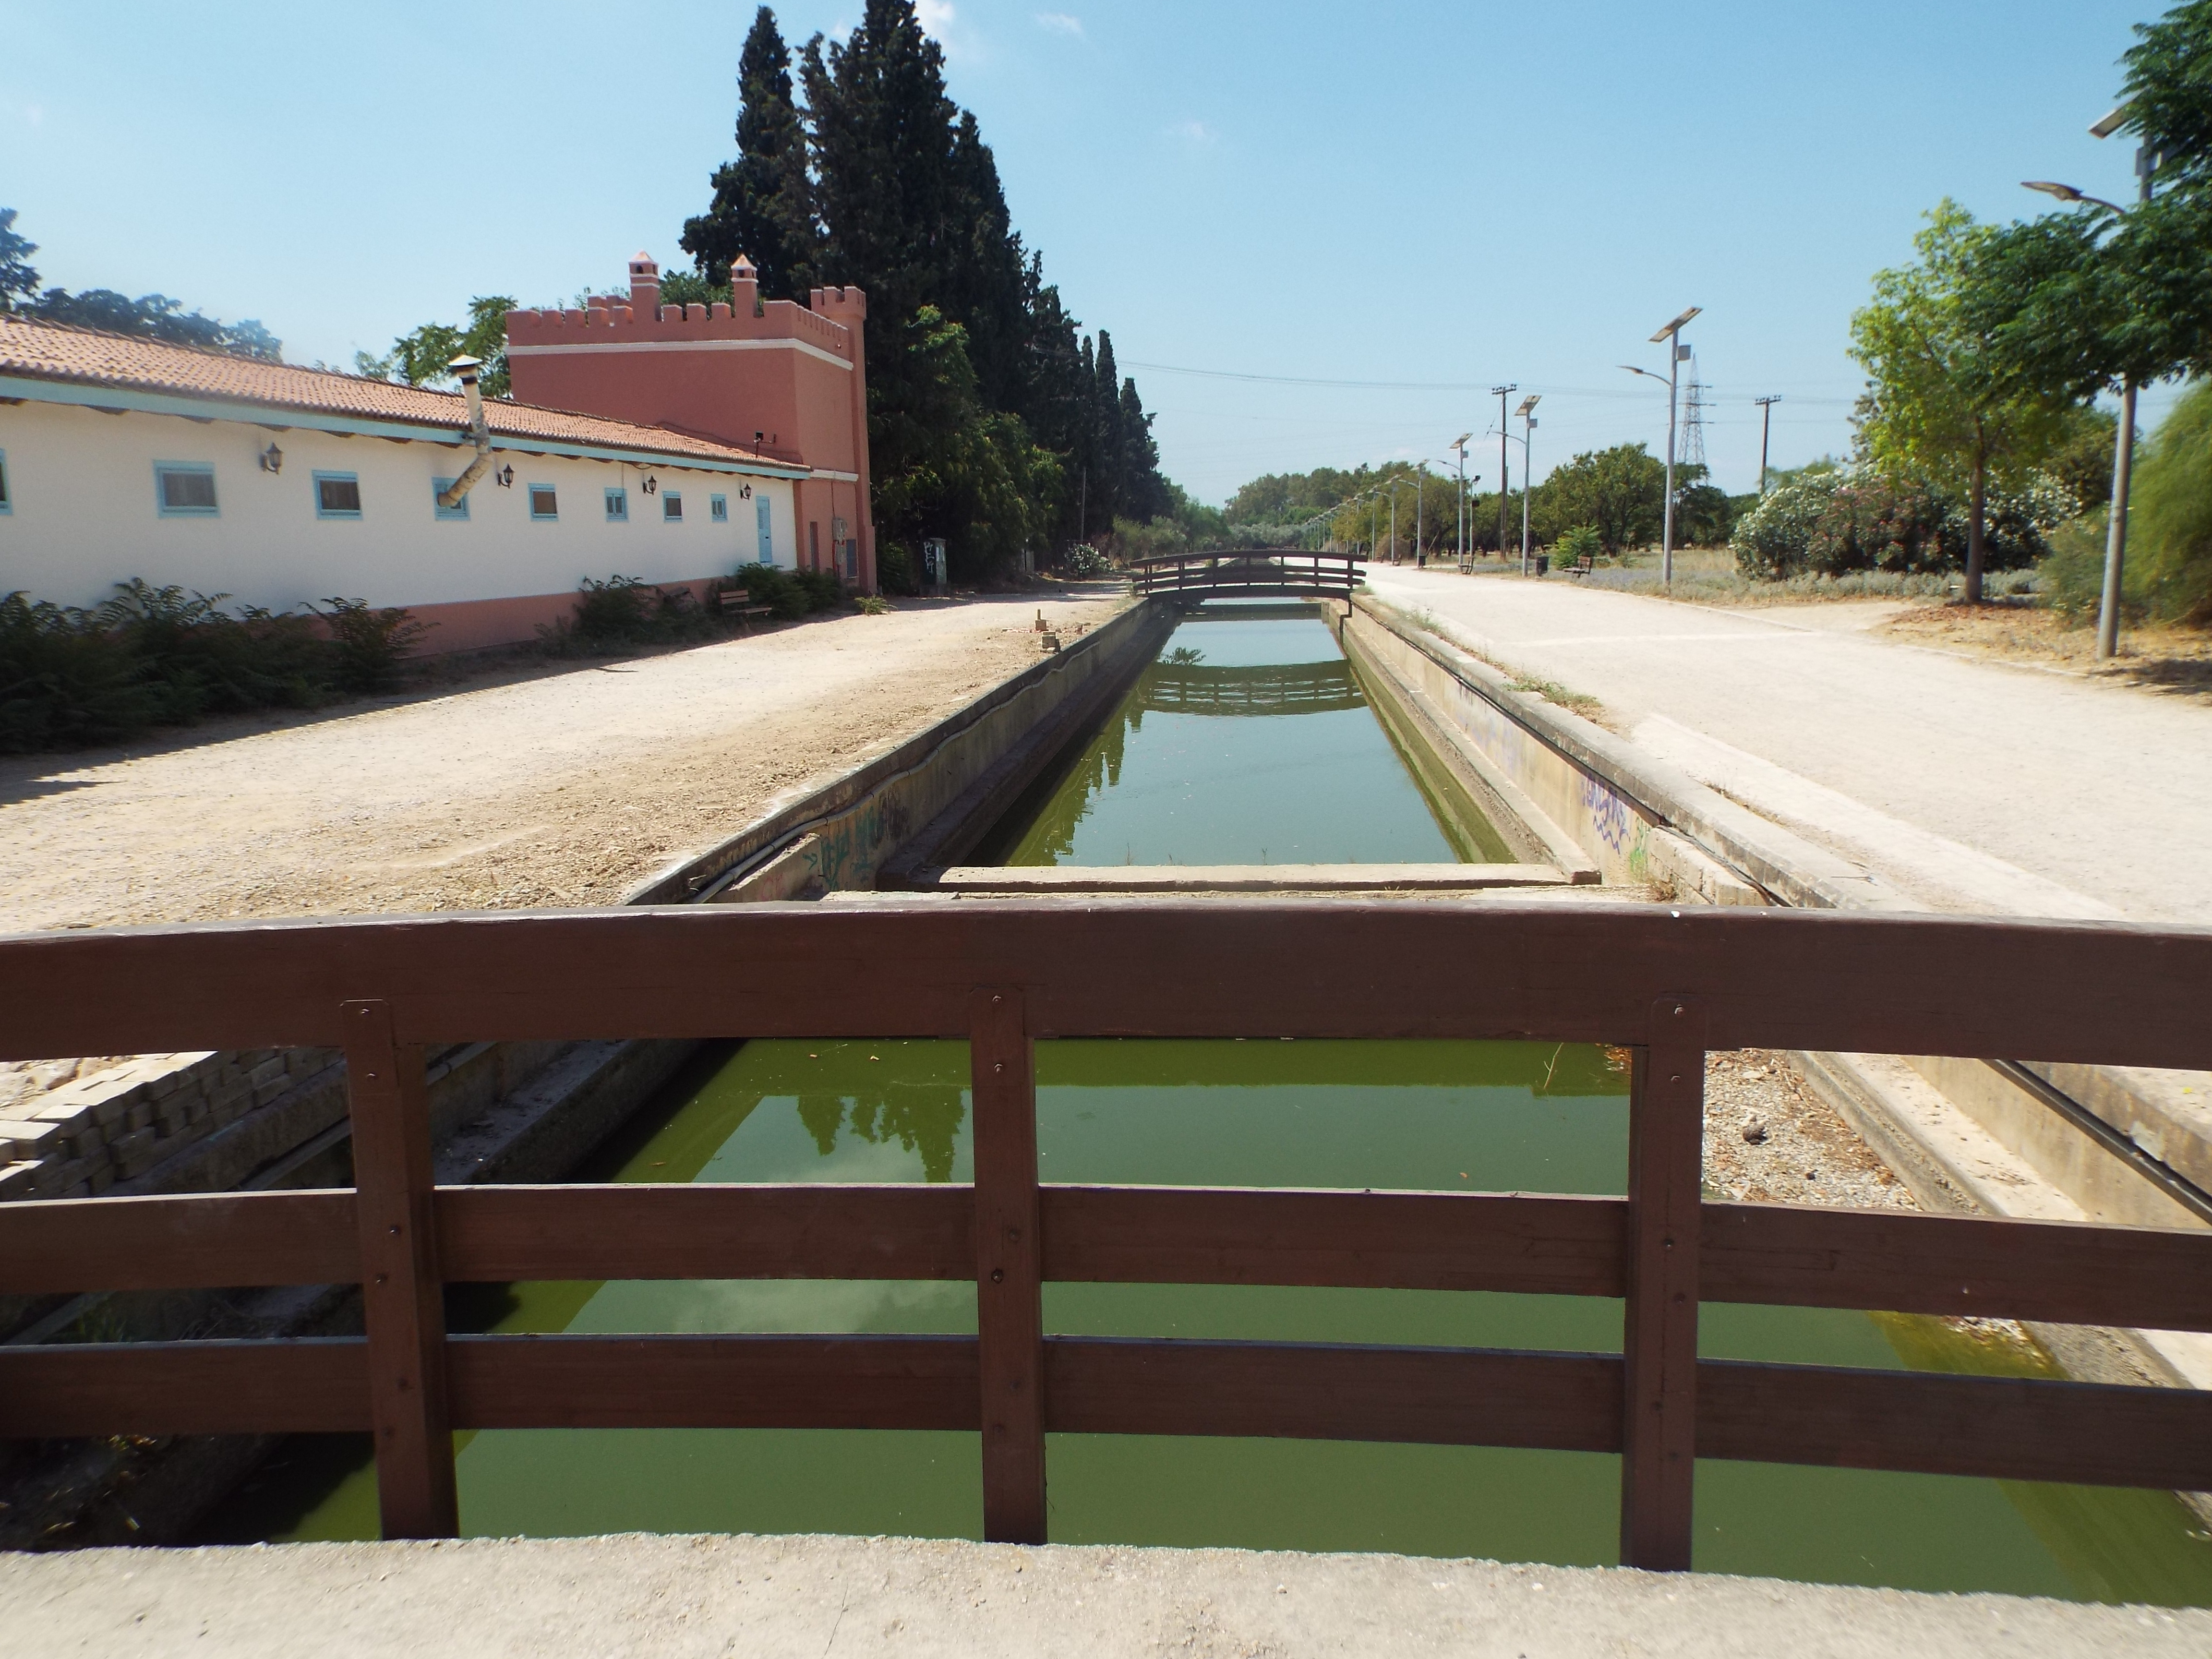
718	509
459	510
767	534
337	494
544	504
7	502
671	506
185	490
618	504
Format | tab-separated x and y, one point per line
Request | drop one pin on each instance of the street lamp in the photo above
2116	530
1460	445
1672	336
1504	475
1527	412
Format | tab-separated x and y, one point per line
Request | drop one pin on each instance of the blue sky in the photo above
1396	193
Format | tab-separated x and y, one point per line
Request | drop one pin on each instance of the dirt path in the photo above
1966	782
556	789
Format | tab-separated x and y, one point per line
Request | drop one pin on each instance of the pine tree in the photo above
764	203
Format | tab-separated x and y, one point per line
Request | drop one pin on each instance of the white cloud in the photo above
1195	132
936	16
1060	22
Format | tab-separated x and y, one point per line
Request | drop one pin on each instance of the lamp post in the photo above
2124	441
1459	444
1671	335
1420	482
1765	419
1527	412
1505	474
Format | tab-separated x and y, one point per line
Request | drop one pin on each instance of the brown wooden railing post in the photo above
1009	1292
402	1301
1666	1160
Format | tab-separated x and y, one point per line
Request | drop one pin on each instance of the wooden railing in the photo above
1259	574
1668	984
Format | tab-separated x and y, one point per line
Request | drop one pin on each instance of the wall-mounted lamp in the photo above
652	485
504	477
272	458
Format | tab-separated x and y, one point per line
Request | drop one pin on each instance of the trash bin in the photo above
1543	563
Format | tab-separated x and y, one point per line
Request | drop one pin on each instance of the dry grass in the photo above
2176	661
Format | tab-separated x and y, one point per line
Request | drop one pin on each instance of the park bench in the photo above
734	599
1581	567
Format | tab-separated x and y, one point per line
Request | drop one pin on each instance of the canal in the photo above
1234	766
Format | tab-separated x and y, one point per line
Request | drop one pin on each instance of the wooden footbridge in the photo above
1260	572
1668	985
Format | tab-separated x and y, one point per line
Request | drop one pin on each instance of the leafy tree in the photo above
1944	399
763	203
19	283
2171	510
420	357
1621	492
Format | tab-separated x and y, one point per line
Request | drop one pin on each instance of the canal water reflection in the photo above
1248	740
1453	1116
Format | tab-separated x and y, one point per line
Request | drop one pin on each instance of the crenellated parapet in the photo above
641	319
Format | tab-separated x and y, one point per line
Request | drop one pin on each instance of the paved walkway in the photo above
1969	784
689	1598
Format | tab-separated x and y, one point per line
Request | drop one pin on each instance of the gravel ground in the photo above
561	788
1770	1140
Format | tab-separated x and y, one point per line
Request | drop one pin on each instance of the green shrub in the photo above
2169	564
368	647
766	585
156	656
623	612
894	569
1831	524
1583	542
1084	560
874	605
823	591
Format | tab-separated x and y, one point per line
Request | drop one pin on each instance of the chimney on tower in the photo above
644	287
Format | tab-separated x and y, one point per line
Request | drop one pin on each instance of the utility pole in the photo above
1528	414
1420	478
1765	420
1504	472
1394	521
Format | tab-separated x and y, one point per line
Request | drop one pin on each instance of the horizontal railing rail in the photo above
1003	975
1260	571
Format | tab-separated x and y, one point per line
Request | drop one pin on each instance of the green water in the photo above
1420	1116
1245	742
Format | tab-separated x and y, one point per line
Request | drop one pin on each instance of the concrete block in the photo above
16	1179
269	1071
101	1182
88	1142
70	1172
29	1139
72	1115
140	1114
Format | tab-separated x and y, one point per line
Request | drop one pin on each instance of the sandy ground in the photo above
560	789
694	1597
1966	782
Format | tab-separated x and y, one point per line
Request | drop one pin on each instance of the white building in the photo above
122	457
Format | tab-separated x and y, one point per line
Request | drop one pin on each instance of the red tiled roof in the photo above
84	356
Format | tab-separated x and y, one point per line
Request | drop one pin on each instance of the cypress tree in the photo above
764	203
989	416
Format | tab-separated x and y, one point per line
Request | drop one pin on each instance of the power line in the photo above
1610	394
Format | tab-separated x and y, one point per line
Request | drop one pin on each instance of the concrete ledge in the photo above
1248	877
678	1598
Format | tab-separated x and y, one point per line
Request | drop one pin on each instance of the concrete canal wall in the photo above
1964	1134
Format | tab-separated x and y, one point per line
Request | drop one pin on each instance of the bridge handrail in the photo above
1668	985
